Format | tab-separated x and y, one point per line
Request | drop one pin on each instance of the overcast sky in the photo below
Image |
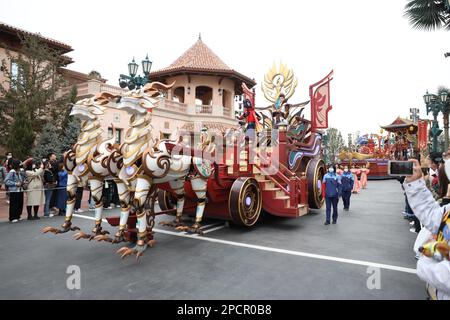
382	67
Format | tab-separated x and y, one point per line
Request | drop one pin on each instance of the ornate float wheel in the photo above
315	170
166	200
245	201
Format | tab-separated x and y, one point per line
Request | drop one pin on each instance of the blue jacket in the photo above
12	178
332	185
347	181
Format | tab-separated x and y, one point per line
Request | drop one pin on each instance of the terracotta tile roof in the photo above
15	31
199	56
200	59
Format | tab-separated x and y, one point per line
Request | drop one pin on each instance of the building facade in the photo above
203	93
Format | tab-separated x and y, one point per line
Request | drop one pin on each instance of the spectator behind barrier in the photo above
437	220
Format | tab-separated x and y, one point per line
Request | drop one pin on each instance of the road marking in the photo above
277	250
216	228
211	225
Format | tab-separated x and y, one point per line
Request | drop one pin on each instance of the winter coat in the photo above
347	181
332	184
12	178
61	193
49	179
35	192
430	214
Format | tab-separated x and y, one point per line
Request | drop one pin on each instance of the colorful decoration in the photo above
320	102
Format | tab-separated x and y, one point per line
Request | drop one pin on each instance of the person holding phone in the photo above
35	190
437	220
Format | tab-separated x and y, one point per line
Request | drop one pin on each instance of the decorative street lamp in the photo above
435	106
133	80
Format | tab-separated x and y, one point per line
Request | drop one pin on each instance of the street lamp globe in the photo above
132	68
146	65
131	85
427	98
122	84
443	95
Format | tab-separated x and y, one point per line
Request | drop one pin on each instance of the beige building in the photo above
203	94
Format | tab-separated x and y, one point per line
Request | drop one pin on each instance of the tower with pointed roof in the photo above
204	88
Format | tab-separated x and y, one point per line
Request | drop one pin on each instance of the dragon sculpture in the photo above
147	163
86	162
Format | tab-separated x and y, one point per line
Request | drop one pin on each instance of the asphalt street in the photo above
276	259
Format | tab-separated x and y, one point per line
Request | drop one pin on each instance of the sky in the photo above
382	67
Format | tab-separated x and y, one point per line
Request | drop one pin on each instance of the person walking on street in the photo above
332	185
15	181
35	192
347	182
49	186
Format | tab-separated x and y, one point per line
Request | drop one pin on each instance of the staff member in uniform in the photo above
347	182
332	185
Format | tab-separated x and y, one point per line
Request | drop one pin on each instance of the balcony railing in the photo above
173	105
203	109
93	87
227	112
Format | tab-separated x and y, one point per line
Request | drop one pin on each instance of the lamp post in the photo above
435	105
133	80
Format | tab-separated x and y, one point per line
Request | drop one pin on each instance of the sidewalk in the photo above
4	206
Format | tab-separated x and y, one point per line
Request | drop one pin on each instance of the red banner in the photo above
248	94
422	134
320	102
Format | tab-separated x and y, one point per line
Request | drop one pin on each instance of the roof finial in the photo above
200	36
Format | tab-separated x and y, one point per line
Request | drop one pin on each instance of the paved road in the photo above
277	259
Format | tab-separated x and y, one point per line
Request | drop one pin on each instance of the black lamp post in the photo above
133	80
435	105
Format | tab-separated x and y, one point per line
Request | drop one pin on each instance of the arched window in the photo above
203	95
178	94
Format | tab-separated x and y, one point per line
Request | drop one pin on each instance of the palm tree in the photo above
428	15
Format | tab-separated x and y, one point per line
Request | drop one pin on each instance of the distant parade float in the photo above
373	151
271	163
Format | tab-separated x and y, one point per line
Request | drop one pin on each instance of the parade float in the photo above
373	151
270	164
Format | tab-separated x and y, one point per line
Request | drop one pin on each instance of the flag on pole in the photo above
422	134
320	102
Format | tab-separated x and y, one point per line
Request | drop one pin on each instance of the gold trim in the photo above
140	215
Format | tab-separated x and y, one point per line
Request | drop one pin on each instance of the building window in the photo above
15	74
166	125
166	135
118	134
116	117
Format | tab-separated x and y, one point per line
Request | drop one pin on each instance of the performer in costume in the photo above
364	174
356	186
251	117
339	170
281	110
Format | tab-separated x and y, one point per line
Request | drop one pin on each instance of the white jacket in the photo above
430	214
